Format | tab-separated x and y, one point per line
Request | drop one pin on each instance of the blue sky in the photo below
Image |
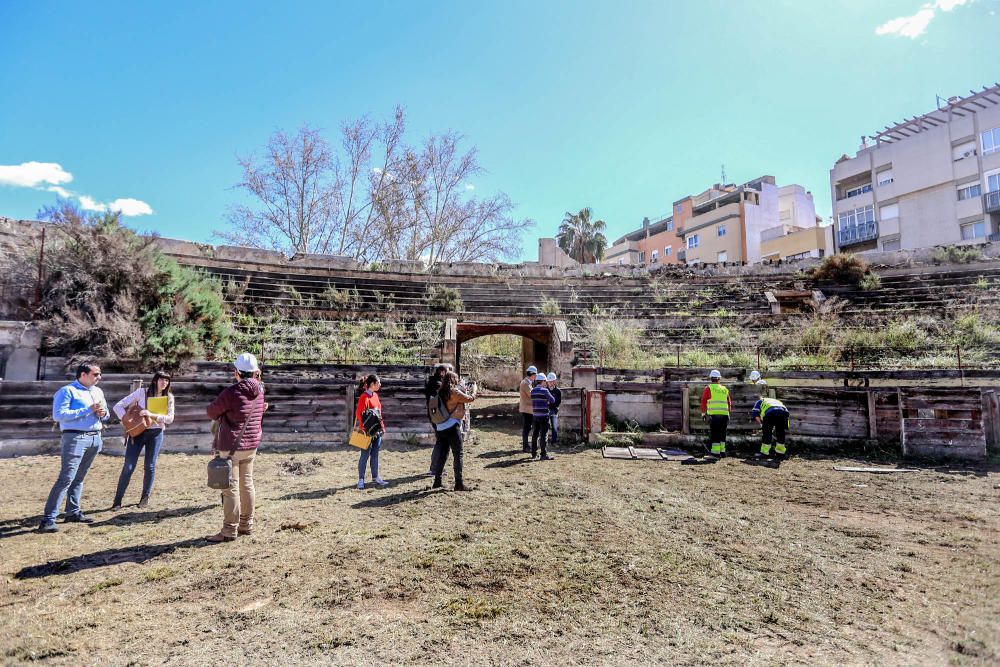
624	107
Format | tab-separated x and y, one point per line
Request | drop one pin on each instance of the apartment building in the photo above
926	181
653	243
728	223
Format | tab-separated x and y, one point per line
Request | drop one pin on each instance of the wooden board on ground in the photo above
674	455
645	453
616	452
875	470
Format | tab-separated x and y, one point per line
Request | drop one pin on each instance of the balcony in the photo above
857	234
681	256
991	202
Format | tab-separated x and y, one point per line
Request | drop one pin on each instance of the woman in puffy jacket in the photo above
372	424
150	440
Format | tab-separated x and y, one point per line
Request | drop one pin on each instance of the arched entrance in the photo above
545	345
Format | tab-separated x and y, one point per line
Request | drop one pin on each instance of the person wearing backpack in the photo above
151	439
452	411
431	389
368	417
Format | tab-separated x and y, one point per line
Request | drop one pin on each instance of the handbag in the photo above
359	439
133	422
220	470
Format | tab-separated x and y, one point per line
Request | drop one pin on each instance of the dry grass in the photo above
578	561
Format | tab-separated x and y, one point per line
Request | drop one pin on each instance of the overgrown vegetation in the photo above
841	269
442	299
958	254
108	292
551	307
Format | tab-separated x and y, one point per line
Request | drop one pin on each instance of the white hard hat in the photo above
551	377
532	369
754	376
715	375
246	363
761	383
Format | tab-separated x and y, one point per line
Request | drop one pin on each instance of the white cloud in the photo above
131	207
34	174
89	204
62	192
470	186
916	24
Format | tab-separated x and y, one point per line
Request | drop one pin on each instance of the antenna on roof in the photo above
723	174
938	100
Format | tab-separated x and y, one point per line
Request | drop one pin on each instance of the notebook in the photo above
158	405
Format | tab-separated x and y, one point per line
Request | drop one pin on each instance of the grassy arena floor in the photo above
577	561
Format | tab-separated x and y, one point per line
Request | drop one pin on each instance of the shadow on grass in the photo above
319	494
106	557
509	463
128	518
394	499
29	524
500	454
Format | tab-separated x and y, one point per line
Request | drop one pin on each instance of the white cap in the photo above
761	383
246	363
715	375
551	377
532	369
754	376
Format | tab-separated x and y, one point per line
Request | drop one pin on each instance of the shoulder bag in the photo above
220	470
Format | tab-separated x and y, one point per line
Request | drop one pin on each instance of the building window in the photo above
890	246
799	255
859	216
860	190
888	212
668	251
722	257
721	230
971	191
885	177
993	182
621	262
974	230
991	141
670	225
654	257
693	241
642	256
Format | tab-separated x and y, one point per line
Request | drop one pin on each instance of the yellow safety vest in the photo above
718	401
769	404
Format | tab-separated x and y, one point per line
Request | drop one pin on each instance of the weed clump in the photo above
443	299
957	254
841	269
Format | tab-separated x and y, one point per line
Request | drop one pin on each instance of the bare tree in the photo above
294	188
377	199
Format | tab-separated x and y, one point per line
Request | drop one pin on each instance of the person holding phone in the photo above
80	410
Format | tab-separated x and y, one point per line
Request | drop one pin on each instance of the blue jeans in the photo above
78	454
372	453
151	440
554	429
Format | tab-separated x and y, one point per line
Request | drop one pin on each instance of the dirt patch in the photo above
576	561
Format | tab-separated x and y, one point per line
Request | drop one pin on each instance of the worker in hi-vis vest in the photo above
715	406
772	415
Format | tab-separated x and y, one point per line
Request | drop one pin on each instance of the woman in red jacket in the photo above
368	417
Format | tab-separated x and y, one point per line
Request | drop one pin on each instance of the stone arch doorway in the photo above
545	345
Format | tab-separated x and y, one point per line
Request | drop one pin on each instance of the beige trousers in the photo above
237	502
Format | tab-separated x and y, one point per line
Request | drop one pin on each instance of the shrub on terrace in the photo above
551	307
841	269
958	254
108	292
443	299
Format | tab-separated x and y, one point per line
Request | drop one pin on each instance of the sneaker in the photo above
546	457
77	518
115	506
525	449
381	482
437	483
244	531
462	487
48	527
143	503
361	484
429	473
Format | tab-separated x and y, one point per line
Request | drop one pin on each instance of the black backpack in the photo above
437	412
371	419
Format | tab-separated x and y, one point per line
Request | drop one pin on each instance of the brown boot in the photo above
219	537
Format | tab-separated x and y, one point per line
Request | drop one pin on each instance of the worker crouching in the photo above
716	405
772	415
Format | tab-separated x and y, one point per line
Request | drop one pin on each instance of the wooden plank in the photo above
645	453
872	416
685	410
616	453
879	471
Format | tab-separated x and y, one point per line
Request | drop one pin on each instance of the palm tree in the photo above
581	238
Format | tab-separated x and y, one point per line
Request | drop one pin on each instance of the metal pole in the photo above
38	283
678	356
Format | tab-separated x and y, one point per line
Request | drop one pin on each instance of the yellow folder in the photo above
158	405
